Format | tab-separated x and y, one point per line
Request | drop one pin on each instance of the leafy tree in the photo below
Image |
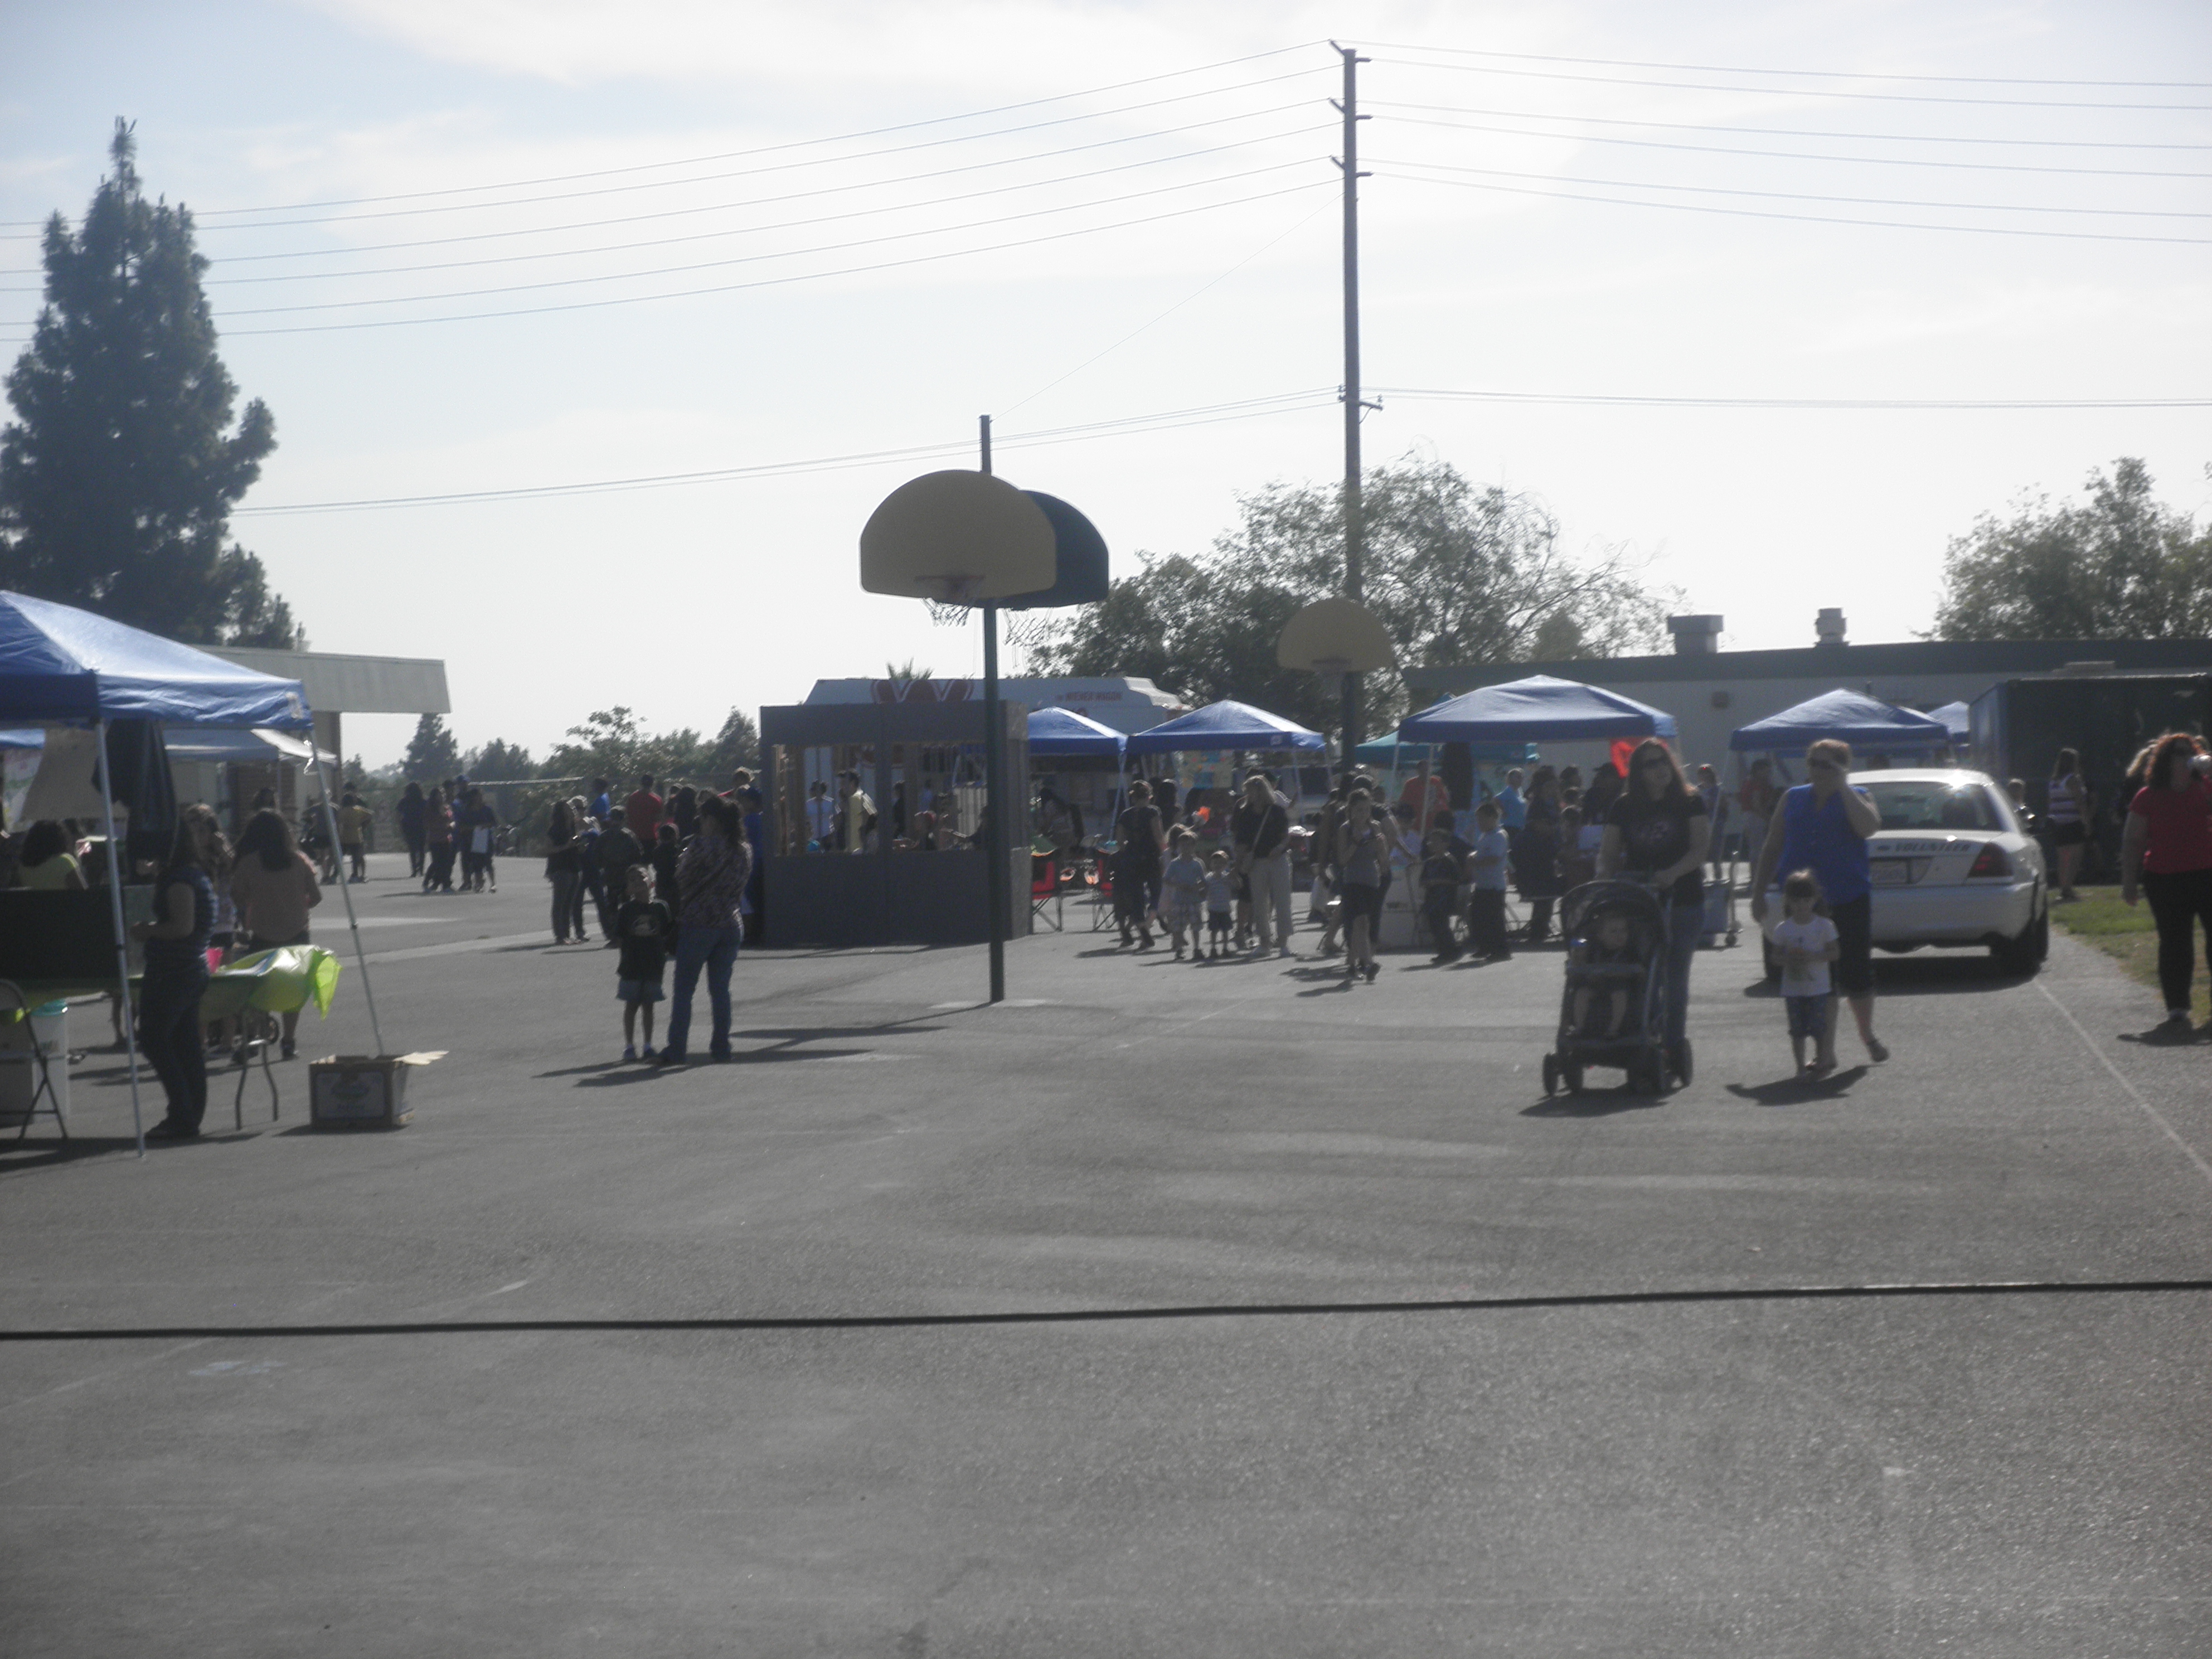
117	477
1456	573
737	743
2119	566
499	760
431	752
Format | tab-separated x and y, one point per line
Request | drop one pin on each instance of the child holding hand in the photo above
1220	906
1807	940
644	929
1182	893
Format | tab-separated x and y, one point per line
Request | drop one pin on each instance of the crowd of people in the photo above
668	876
1218	884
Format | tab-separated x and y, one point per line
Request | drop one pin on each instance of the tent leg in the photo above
345	891
118	870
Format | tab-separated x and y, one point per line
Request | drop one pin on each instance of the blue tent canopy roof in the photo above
1226	725
1391	751
60	666
1956	715
1533	710
1064	731
1862	722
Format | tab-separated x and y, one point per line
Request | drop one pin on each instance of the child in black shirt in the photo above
644	928
1440	879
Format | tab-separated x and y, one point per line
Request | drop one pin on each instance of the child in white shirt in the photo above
1220	906
1807	940
1182	886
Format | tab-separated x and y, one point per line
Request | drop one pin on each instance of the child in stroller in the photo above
1611	1008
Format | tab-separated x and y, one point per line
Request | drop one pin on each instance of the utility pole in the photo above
996	880
1354	529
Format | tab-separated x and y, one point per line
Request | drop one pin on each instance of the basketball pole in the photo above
995	814
1354	528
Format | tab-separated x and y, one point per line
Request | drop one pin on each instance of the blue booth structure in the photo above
913	757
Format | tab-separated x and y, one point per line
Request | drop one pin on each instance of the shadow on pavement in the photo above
1800	1091
17	1156
2168	1035
1594	1103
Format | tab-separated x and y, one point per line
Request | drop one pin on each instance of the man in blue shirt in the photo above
1513	808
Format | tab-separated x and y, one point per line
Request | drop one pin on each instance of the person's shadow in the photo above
1800	1091
2168	1034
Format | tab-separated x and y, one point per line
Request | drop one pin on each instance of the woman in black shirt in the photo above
1136	867
176	943
1657	831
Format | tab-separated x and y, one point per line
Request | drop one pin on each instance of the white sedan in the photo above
1952	865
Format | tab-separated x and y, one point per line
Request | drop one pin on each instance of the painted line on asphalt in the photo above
459	947
2133	1093
1123	1315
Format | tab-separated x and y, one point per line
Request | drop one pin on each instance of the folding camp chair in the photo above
1044	893
15	1008
1101	878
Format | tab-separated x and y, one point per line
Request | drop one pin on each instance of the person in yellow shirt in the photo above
354	820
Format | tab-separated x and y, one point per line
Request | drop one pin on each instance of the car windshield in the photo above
1935	806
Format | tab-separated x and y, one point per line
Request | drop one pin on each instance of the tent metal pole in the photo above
345	891
117	868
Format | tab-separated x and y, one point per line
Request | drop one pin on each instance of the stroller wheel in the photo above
1572	1075
1551	1074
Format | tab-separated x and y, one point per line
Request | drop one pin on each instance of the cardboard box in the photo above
360	1091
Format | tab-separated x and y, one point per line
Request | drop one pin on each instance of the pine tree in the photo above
118	476
431	754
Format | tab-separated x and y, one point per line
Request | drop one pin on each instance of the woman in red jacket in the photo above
2167	846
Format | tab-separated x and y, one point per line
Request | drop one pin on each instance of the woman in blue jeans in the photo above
1657	830
710	880
1824	826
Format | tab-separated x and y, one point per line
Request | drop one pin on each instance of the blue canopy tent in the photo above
1064	731
63	666
1862	722
1226	725
1391	752
1959	717
1534	710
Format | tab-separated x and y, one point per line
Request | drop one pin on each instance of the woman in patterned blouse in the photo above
711	880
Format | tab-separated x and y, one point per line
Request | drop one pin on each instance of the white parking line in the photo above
2133	1093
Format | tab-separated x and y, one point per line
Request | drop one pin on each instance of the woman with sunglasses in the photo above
1823	826
1658	831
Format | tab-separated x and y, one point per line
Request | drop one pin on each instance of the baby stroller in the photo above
1616	933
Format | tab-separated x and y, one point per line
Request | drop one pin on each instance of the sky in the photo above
658	300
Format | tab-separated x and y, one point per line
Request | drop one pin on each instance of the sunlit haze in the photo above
475	246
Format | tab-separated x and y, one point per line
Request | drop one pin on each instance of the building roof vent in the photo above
1695	636
1829	626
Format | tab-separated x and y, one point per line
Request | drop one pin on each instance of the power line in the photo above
1601	400
1813	132
1132	425
769	150
1778	154
749	172
1299	224
789	196
757	229
1806	92
1807	196
755	258
1800	218
771	282
1828	75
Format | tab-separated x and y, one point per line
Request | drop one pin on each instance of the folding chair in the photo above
1044	893
15	1008
1102	885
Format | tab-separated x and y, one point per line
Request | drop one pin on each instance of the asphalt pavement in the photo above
1288	1448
